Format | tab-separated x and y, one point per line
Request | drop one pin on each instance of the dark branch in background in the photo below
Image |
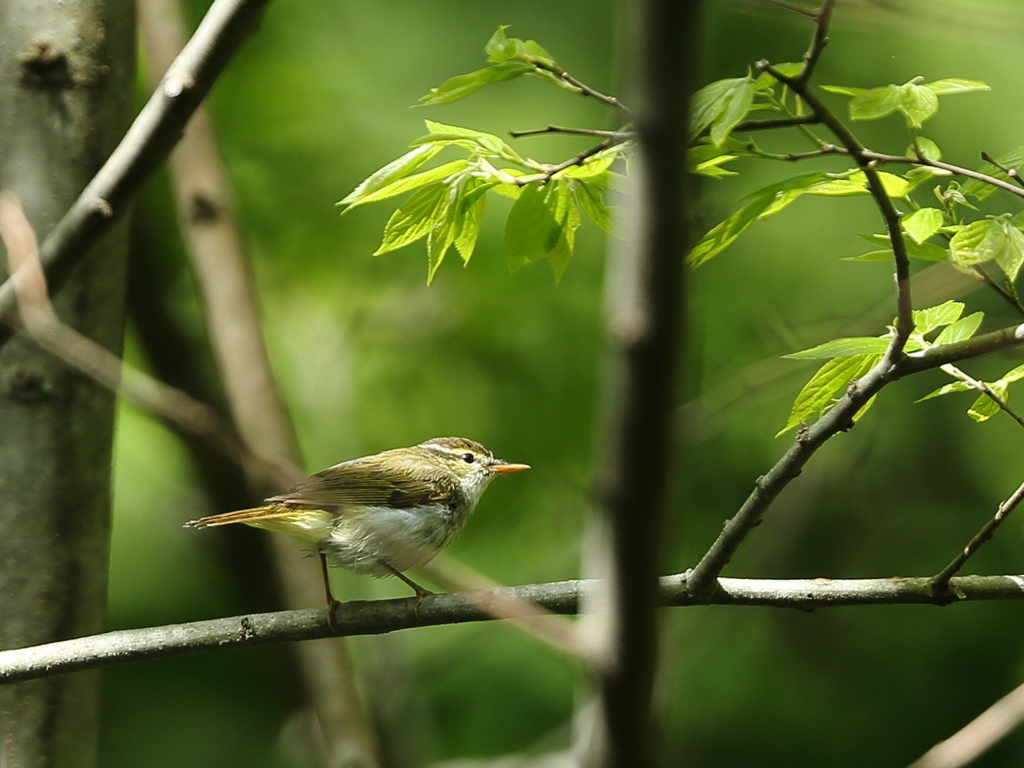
147	143
645	299
355	618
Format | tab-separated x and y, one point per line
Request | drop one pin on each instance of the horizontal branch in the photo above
377	617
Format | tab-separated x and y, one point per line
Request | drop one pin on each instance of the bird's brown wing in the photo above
380	480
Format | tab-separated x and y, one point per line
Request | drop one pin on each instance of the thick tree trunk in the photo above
66	86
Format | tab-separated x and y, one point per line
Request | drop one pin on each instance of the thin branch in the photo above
1011	172
38	319
808	12
975	738
380	616
147	143
551	170
821	17
620	136
940	583
581	87
776	122
985	389
891	217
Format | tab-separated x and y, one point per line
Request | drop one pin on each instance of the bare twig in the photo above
147	143
581	87
975	738
551	170
940	583
618	135
357	618
1011	172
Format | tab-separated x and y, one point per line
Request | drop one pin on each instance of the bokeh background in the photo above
371	358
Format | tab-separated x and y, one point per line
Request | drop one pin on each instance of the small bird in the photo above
381	514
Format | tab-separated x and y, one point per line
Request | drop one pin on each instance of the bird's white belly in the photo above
402	538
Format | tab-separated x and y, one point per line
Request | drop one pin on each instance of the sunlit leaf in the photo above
825	386
984	408
384	177
725	233
459	86
923	223
956	85
979	189
415	218
927	320
846	347
415	181
962	329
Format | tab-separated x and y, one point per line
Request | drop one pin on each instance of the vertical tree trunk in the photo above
645	301
66	86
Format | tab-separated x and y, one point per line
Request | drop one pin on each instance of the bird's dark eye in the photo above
469	458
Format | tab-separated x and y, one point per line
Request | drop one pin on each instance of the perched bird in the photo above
381	514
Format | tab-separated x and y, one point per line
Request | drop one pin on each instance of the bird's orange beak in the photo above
504	467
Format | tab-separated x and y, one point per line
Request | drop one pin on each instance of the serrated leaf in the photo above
923	223
415	218
388	174
956	85
928	319
846	347
962	329
460	86
820	392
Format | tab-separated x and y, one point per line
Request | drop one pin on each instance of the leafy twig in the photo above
551	170
1011	172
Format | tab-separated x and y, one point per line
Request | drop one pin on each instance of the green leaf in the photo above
947	389
723	234
472	213
502	48
475	141
985	407
384	177
590	198
876	103
923	223
927	320
980	189
442	233
962	329
415	218
918	103
956	85
542	224
1014	375
711	102
460	86
735	107
820	392
415	181
987	240
843	90
847	347
928	148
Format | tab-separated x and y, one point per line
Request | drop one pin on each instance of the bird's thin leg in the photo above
332	604
421	592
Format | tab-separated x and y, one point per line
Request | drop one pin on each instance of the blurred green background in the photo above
370	358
